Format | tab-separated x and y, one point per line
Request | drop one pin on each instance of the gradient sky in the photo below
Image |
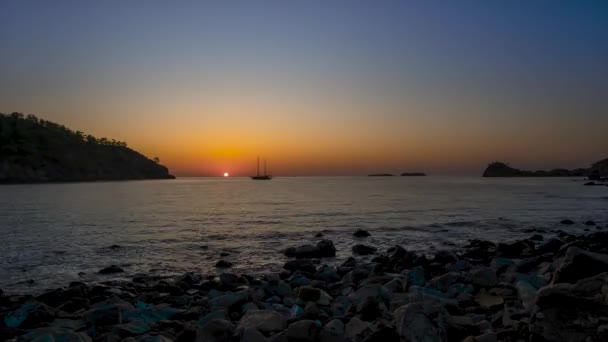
318	87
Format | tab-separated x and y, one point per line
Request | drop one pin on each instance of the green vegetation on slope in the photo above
36	150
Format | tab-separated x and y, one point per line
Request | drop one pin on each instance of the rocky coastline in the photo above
543	288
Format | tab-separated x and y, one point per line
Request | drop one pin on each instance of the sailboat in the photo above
265	176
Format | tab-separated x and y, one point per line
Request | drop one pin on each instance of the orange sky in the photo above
317	88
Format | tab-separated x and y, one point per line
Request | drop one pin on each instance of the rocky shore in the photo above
537	289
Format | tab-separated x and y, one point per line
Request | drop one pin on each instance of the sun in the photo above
226	174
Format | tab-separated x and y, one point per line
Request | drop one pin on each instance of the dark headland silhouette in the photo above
33	150
499	169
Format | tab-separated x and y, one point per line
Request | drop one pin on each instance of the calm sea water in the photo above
57	233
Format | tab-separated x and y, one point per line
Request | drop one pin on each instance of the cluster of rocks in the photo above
537	289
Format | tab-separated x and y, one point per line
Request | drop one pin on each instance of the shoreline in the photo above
547	289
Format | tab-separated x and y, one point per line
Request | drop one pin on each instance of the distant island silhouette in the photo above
405	174
500	169
413	174
34	150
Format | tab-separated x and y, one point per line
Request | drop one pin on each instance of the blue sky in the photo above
441	86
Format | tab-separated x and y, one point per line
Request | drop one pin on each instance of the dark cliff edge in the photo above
33	150
500	169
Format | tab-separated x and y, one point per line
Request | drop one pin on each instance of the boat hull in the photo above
261	177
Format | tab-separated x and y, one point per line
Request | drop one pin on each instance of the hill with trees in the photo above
35	150
500	169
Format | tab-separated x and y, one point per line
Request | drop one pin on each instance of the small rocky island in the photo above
499	169
380	175
34	150
413	174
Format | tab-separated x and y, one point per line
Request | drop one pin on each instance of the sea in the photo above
53	234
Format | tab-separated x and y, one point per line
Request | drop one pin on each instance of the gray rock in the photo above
303	331
487	337
131	329
110	270
550	246
526	293
377	292
364	249
227	300
444	282
486	300
571	312
108	312
335	325
216	330
483	277
309	294
579	264
54	334
415	277
361	233
420	322
326	248
266	321
304	252
395	285
356	329
252	335
328	274
305	266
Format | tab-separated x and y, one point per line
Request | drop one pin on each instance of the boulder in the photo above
571	312
579	264
415	277
482	277
231	280
266	321
110	270
216	330
54	334
487	301
304	252
356	329
303	331
309	294
227	300
328	274
252	335
420	322
305	266
443	282
223	264
550	246
108	312
326	248
513	249
29	315
566	222
361	233
363	249
131	329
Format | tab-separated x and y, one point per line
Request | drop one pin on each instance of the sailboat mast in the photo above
258	165
265	173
